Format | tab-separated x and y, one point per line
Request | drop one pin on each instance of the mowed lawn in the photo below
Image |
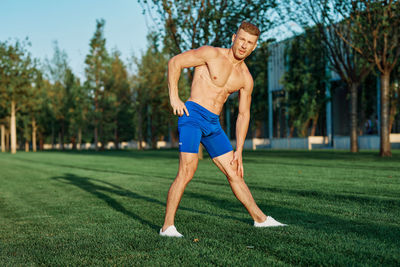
106	208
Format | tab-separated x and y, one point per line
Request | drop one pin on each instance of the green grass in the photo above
106	209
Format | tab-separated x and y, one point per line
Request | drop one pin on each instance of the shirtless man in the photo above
219	72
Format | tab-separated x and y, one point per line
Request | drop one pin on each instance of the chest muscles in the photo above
223	74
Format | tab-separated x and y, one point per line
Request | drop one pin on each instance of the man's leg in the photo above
238	186
187	167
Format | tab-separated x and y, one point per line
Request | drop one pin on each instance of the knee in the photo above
186	172
233	176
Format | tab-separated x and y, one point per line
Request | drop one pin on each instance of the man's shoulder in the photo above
209	50
247	77
246	72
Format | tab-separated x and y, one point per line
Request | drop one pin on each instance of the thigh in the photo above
223	162
188	164
189	139
217	144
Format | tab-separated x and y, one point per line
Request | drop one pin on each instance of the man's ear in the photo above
233	37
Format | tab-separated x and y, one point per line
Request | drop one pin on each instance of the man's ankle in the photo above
165	226
261	219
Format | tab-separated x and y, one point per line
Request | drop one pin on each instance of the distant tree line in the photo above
45	102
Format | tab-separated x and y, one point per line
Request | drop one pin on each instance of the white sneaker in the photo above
171	232
269	222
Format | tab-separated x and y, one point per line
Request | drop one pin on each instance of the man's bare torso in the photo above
214	81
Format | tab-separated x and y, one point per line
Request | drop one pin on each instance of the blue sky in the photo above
72	23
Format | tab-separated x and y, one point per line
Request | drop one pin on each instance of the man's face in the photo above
243	44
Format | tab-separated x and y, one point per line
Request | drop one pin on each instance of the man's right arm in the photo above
188	59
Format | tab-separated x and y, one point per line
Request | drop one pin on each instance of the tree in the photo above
394	97
119	86
3	122
78	111
190	24
96	62
258	66
352	69
32	109
375	35
304	81
62	79
16	76
152	101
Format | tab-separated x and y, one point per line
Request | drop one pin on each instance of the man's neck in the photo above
235	62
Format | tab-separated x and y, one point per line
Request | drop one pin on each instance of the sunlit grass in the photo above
106	208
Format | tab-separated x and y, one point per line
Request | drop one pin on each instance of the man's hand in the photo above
179	107
237	156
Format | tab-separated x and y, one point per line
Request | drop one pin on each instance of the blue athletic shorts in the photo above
202	126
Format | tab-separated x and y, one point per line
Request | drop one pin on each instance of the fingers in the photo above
181	110
186	111
234	159
178	111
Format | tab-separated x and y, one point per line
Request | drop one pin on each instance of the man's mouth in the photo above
241	51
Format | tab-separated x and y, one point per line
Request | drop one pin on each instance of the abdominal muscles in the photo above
206	93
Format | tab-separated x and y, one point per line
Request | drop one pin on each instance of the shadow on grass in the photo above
206	181
381	200
325	155
329	224
346	165
88	185
371	200
100	189
371	229
136	154
70	166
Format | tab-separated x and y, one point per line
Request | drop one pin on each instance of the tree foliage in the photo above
190	24
96	67
17	73
154	118
304	81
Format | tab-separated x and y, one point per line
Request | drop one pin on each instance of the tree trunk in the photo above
170	133
385	150
26	146
59	140
140	130
96	138
53	145
116	138
73	141
291	131
154	140
62	134
34	129
353	118
314	124
7	140
394	101
79	138
13	129
41	141
3	141
304	128
101	136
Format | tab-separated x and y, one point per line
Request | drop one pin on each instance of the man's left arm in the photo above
242	123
